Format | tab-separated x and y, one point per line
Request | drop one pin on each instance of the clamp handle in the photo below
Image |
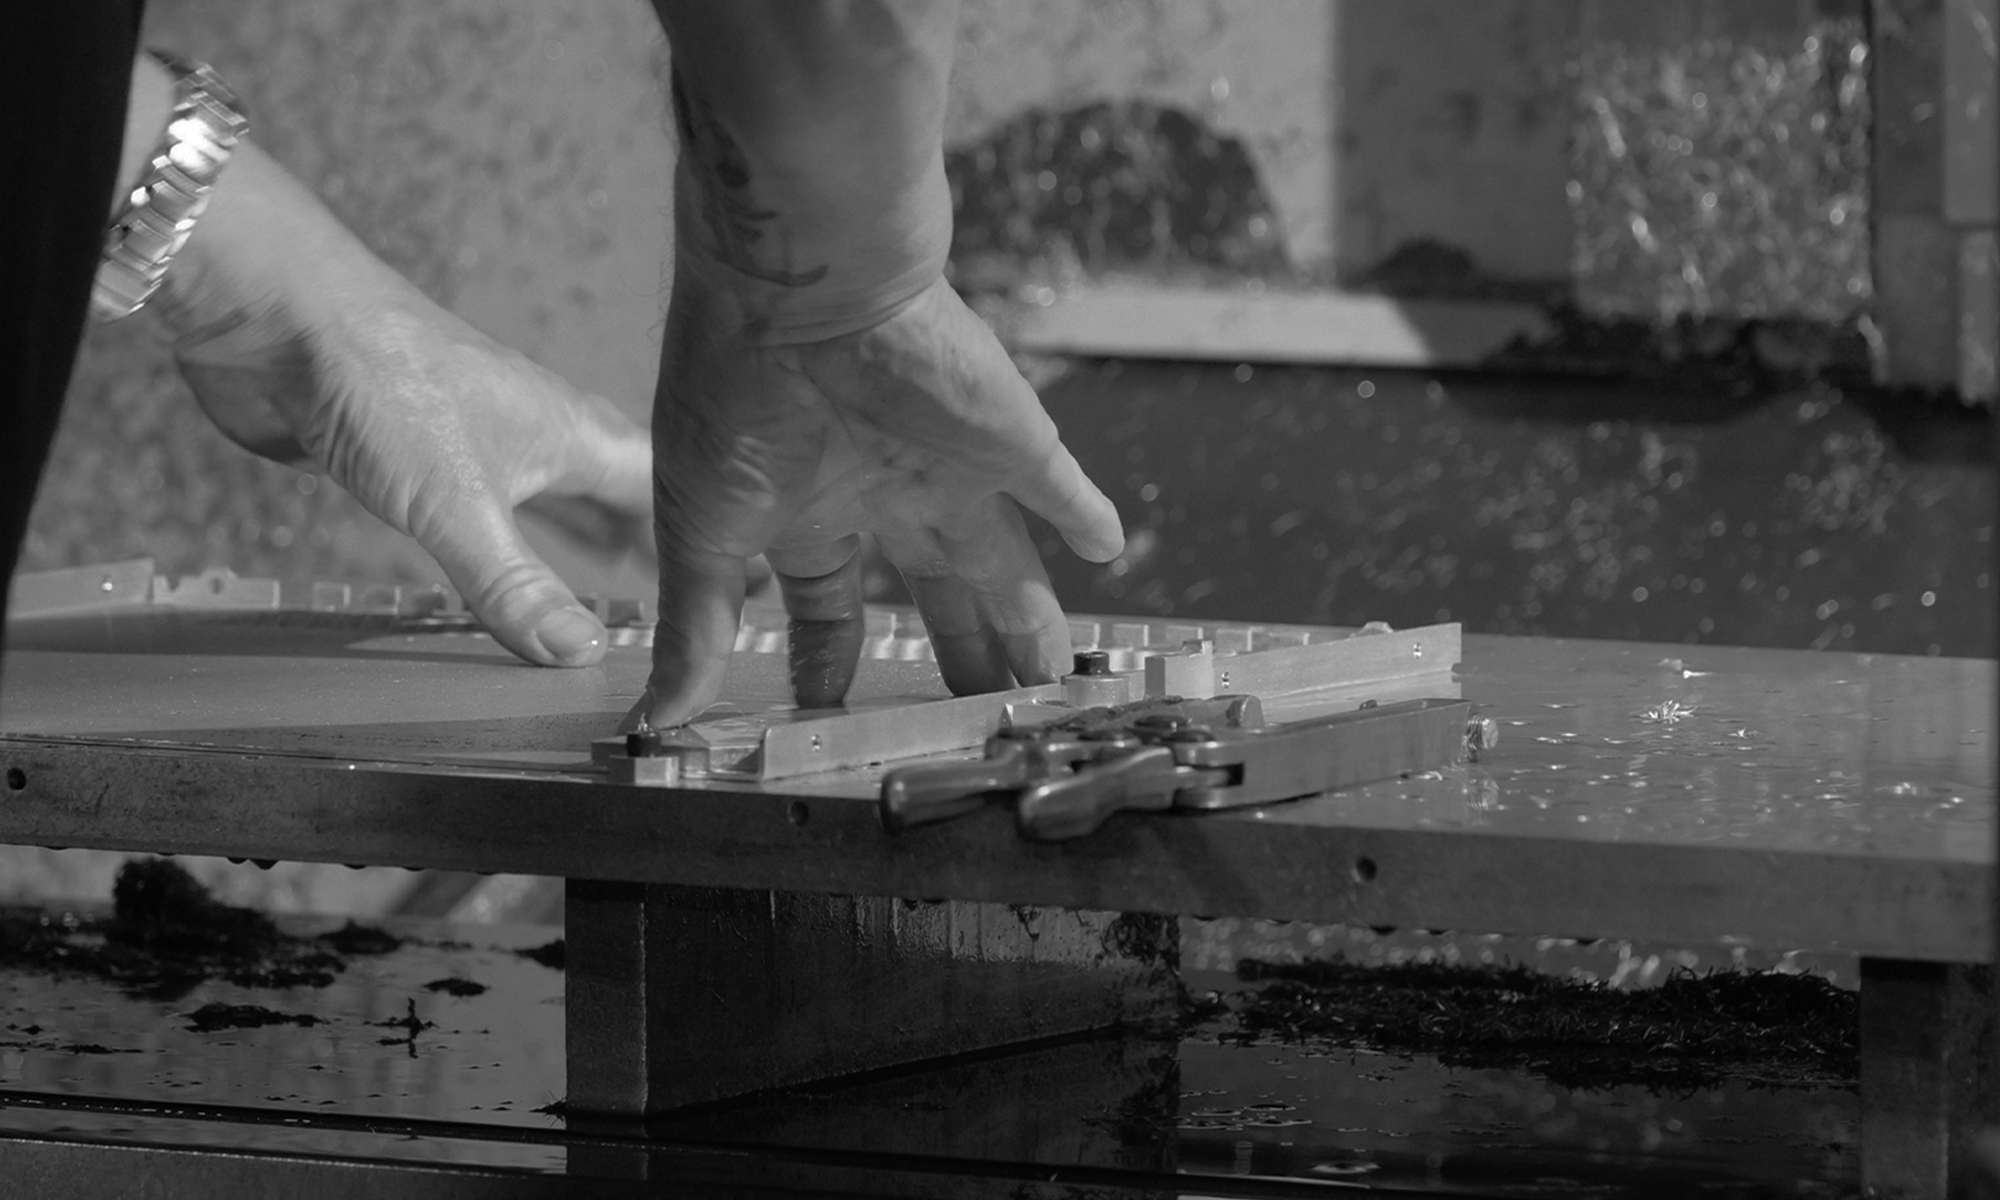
931	792
1057	810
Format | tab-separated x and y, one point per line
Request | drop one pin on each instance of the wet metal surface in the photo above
1865	754
426	697
1777	799
1604	741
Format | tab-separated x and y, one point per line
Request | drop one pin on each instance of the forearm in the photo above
810	185
267	250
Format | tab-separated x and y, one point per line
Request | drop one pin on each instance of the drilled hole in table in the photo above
1364	869
17	779
799	813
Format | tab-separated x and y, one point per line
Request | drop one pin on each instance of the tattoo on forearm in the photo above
727	206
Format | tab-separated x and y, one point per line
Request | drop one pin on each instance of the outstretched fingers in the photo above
985	598
1048	480
1060	493
508	587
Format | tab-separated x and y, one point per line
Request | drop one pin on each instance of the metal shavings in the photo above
166	935
216	1017
1050	196
1724	178
1764	1028
1666	712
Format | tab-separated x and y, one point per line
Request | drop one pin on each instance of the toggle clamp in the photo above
1066	778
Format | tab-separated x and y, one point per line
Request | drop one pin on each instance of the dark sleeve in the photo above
65	69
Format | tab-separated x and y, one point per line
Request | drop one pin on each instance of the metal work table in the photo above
1699	795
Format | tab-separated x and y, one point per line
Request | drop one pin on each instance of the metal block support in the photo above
1979	315
1970	114
681	995
1927	1078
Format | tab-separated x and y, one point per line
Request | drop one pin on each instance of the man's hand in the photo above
819	380
298	341
440	432
918	430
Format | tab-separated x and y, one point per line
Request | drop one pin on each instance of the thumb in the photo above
511	590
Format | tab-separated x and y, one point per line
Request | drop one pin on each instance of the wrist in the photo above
767	314
845	262
268	253
171	189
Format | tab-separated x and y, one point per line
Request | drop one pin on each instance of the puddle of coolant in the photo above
1258	1110
491	1057
1389	1121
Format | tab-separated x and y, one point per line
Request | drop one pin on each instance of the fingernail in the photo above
571	635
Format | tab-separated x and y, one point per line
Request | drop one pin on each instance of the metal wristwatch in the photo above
158	216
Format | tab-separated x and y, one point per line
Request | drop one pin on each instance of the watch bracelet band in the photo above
160	213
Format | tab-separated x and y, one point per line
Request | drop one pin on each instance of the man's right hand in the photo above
918	430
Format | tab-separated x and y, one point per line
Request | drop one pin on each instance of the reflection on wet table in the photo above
456	1036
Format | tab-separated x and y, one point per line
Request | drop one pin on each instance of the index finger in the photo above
701	606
